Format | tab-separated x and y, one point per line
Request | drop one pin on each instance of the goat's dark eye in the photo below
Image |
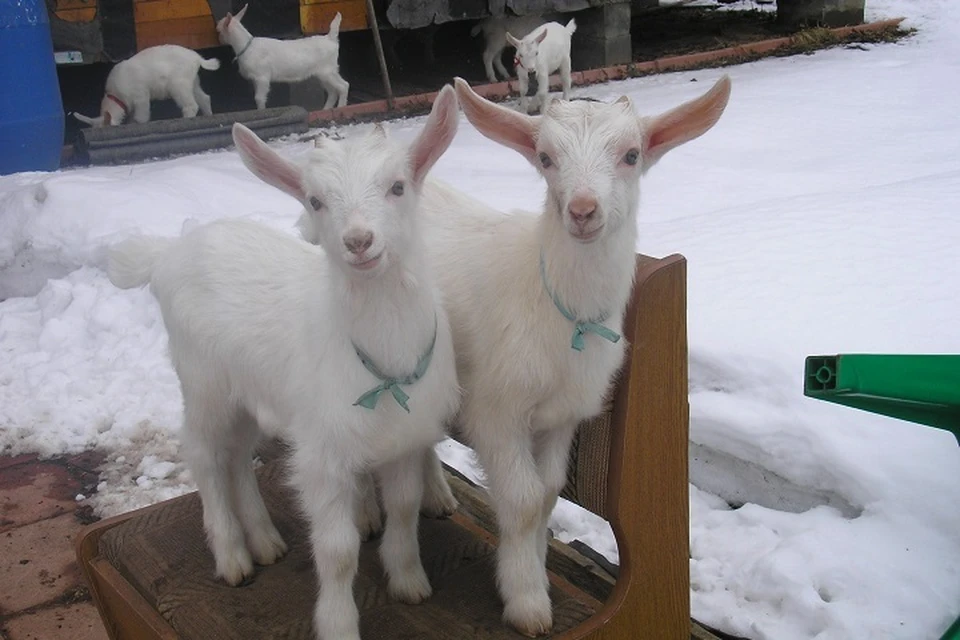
397	188
545	161
632	157
315	203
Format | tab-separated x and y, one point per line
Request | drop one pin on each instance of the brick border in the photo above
421	102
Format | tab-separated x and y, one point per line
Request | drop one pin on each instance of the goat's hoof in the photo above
532	618
268	549
236	571
411	589
370	526
439	506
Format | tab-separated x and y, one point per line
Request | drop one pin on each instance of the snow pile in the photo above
817	217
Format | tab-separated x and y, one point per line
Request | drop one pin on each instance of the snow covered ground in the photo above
819	216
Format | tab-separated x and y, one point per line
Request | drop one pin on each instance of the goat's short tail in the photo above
130	263
571	26
210	64
93	122
335	27
477	28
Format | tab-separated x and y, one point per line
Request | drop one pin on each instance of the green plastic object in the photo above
919	388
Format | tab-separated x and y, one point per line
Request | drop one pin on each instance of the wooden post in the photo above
374	27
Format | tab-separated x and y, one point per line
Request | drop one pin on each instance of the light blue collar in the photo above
244	50
580	327
370	398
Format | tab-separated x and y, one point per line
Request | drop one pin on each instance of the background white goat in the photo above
543	51
156	73
530	374
268	330
495	31
266	60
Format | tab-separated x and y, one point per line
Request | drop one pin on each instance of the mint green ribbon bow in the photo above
370	398
580	327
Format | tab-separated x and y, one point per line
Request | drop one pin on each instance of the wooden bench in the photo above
151	574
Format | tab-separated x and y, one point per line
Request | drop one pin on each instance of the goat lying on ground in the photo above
543	51
156	73
536	304
495	31
345	352
266	60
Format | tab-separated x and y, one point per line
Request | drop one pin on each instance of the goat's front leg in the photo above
565	77
552	453
518	495
523	81
543	89
438	500
141	111
401	483
328	496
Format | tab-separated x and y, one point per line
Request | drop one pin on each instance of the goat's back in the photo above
153	71
291	60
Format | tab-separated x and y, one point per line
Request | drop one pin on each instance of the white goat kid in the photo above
543	51
156	73
495	31
537	304
266	60
318	346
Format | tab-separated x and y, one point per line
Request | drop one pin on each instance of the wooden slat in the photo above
316	18
161	10
194	33
75	4
77	15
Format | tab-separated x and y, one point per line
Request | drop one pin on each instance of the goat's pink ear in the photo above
506	126
241	13
437	134
684	123
541	37
266	164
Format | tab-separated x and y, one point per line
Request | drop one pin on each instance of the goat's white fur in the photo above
266	60
262	327
525	389
156	73
543	51
495	31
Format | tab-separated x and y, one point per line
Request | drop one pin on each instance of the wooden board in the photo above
188	23
76	10
316	15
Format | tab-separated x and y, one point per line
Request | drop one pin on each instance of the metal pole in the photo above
372	21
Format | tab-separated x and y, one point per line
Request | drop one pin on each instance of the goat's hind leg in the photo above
565	77
401	483
438	500
184	96
209	451
202	98
263	539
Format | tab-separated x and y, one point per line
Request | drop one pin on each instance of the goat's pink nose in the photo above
359	241
582	207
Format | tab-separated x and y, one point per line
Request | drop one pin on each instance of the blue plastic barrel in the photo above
31	111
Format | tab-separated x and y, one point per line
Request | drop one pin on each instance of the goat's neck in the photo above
592	281
238	36
391	316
